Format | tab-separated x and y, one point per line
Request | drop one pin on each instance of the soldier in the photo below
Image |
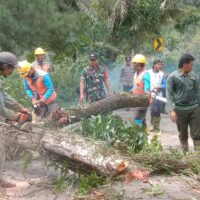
92	81
126	75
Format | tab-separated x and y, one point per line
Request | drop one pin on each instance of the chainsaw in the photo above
40	110
156	96
37	111
21	120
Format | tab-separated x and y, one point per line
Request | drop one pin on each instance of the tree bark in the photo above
83	155
110	103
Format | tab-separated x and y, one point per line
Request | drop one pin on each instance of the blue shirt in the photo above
146	82
46	81
164	83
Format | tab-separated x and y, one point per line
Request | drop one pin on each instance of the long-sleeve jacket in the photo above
8	104
141	83
46	80
183	91
146	81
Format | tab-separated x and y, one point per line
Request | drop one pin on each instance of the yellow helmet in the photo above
139	58
24	68
39	51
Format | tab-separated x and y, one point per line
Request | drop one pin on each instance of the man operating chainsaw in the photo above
157	85
39	88
9	108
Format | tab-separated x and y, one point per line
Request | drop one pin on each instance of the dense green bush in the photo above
66	78
14	87
113	130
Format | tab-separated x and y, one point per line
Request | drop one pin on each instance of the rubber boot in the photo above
5	183
152	123
184	146
196	145
157	123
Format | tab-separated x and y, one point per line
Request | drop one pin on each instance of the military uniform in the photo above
94	83
126	77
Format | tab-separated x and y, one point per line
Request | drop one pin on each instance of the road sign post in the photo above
158	44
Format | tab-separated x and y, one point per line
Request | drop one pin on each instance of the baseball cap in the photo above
92	56
157	61
127	58
8	58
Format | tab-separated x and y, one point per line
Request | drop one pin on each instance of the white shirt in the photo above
155	79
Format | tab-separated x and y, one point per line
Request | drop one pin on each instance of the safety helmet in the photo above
39	51
8	58
139	58
23	68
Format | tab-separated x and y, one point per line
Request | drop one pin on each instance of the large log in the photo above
82	154
110	103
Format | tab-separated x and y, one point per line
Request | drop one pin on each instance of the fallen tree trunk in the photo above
84	155
81	154
110	103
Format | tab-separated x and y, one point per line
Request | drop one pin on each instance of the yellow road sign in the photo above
158	44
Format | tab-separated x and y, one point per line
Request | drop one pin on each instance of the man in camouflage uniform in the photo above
126	75
92	81
8	63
